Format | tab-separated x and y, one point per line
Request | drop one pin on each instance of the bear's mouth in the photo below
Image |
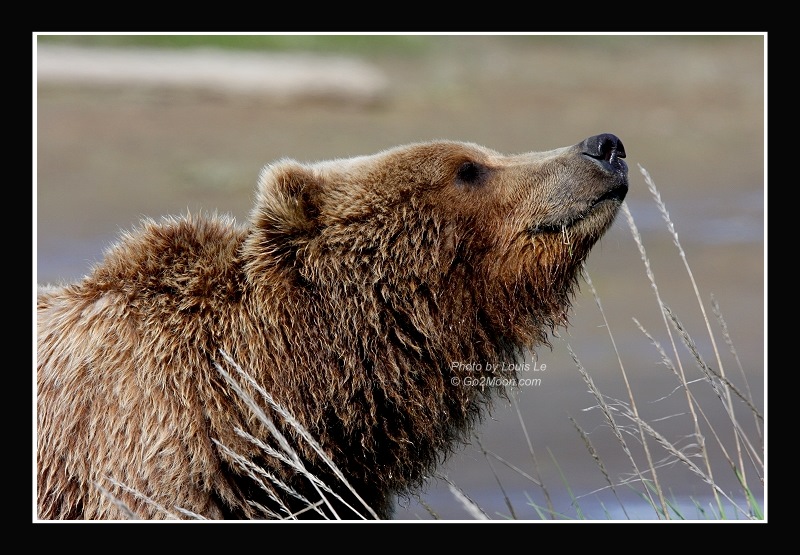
612	198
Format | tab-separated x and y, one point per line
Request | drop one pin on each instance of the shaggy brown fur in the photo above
354	295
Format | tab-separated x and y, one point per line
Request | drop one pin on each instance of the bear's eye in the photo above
470	173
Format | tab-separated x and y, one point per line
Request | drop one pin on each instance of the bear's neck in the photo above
402	350
402	370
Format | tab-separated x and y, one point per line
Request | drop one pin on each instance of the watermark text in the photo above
495	381
496	368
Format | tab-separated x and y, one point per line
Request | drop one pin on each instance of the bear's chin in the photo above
585	228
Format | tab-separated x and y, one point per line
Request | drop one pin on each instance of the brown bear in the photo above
355	300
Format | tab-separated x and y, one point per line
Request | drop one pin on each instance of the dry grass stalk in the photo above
288	450
472	508
685	460
538	479
496	478
599	462
678	368
256	473
721	386
665	214
136	494
646	448
728	341
608	413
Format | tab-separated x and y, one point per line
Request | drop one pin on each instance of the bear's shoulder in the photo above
190	256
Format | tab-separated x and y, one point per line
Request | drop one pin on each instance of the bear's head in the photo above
451	236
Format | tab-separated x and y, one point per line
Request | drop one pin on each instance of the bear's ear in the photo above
287	201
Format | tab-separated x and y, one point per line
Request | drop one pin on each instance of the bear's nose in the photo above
605	146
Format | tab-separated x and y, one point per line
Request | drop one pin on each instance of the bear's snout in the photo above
607	149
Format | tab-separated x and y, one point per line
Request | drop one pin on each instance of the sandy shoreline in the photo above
279	76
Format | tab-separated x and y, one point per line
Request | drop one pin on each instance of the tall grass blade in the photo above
599	462
575	504
472	508
678	367
609	416
532	453
663	209
727	336
298	464
496	478
650	464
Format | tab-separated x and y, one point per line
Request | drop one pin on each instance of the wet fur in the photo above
348	295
